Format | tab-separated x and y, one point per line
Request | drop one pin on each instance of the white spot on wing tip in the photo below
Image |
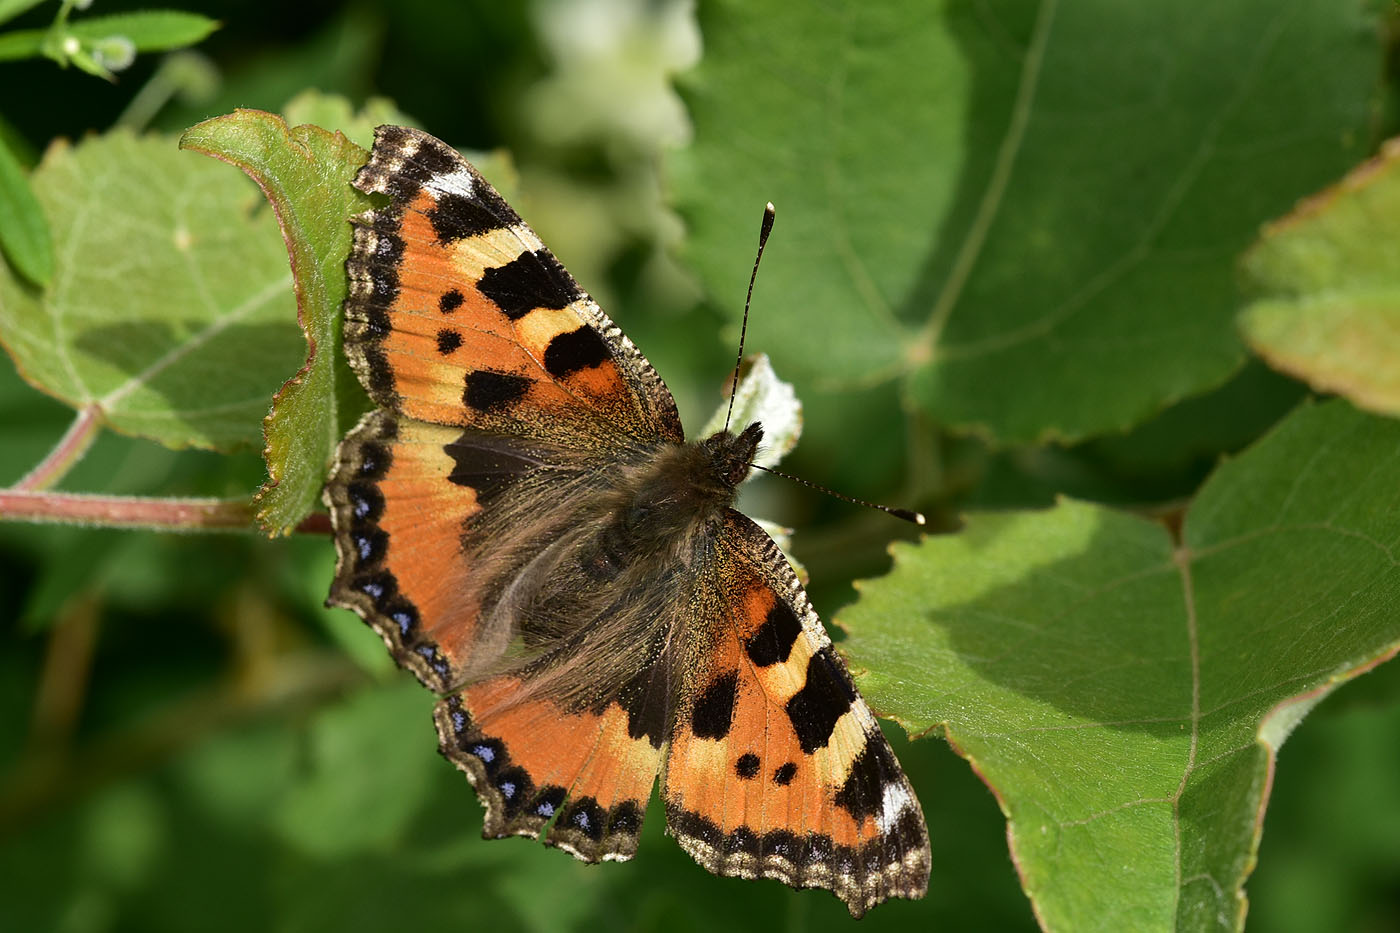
895	800
458	181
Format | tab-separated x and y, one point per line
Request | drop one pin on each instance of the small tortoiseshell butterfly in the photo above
524	523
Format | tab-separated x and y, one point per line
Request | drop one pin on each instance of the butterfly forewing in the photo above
457	313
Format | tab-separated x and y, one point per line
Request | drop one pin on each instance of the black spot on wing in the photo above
459	216
644	698
529	281
786	844
747	765
547	801
366	501
381	377
689	823
714	711
369	544
783	774
490	391
626	819
774	639
578	349
486	464
374	461
376	256
404	615
823	699
448	341
516	790
862	793
585	816
450	301
741	841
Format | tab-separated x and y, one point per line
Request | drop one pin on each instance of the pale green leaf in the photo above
334	112
305	173
1329	277
170	309
1125	695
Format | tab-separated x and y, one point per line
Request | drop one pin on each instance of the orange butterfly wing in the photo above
468	332
776	767
458	315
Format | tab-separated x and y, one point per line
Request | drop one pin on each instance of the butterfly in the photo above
525	525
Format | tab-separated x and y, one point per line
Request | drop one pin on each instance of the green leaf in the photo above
102	44
170	308
1125	696
22	43
147	30
305	172
1026	216
24	233
1329	278
9	9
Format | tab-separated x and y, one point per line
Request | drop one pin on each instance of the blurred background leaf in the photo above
24	231
1329	278
1029	218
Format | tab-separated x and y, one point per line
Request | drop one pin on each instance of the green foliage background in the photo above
189	740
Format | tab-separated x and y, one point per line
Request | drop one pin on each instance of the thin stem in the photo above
64	678
68	451
138	512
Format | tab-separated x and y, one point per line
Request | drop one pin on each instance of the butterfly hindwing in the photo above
776	766
426	525
587	774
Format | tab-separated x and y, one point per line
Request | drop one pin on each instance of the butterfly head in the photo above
732	454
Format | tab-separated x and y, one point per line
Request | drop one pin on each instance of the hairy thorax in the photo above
613	563
664	508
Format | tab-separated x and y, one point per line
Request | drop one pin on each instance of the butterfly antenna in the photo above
908	515
769	213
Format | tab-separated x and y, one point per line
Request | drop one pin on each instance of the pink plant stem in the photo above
69	450
137	512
